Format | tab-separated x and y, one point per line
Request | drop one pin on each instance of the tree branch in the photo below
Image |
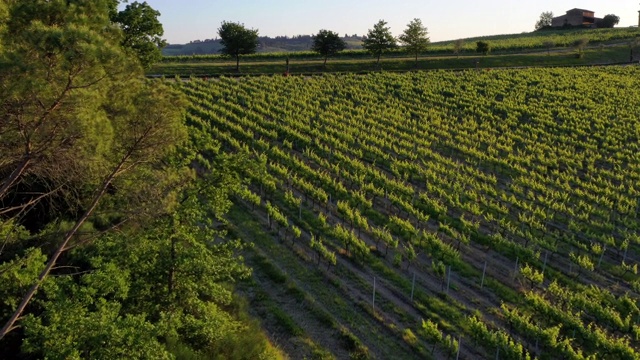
27	157
61	248
15	174
30	203
90	238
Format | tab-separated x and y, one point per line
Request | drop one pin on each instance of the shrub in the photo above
483	47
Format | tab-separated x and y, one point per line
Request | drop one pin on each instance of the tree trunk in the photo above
325	62
379	54
237	62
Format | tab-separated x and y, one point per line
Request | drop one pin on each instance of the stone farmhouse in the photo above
576	17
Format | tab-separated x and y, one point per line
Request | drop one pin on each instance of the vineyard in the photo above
476	214
537	39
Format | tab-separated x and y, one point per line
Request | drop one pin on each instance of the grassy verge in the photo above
608	55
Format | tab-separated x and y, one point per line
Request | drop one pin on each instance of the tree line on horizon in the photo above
379	40
237	40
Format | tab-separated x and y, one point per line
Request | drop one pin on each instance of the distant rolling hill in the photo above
267	44
499	43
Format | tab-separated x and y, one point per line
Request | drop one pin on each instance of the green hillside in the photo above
267	45
363	63
409	216
537	39
500	43
542	48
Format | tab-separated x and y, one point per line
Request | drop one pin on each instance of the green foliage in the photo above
275	215
291	199
431	333
142	32
458	45
580	44
415	37
545	21
438	249
353	216
249	196
53	56
498	158
237	40
322	220
440	271
357	350
451	345
410	253
65	151
16	276
86	320
583	261
534	276
409	337
350	241
500	340
385	235
548	45
323	252
95	147
379	40
403	228
507	43
609	21
296	232
397	260
483	47
173	275
327	43
629	269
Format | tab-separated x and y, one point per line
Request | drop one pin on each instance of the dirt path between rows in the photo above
348	290
294	347
359	291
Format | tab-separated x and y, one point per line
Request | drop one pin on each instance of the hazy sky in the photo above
186	20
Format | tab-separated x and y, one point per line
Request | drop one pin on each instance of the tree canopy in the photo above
77	119
379	40
415	38
142	32
327	43
545	21
237	40
89	146
609	21
483	47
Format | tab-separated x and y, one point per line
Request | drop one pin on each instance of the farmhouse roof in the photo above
583	10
